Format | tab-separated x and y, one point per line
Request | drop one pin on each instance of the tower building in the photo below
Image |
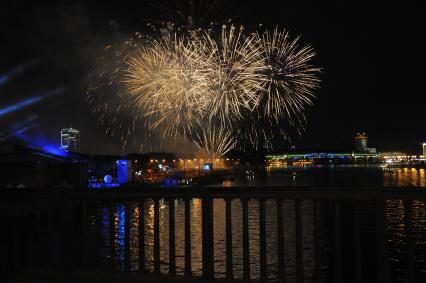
70	139
361	142
424	149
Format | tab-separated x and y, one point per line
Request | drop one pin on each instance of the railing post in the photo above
262	238
4	242
382	252
229	261
246	247
299	241
156	236
112	235
27	234
98	231
408	212
172	238
207	237
358	275
317	240
141	234
7	238
127	212
51	238
37	236
280	242
424	207
66	235
337	243
188	266
83	234
11	245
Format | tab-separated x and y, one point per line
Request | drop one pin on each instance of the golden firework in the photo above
215	141
290	78
166	80
208	86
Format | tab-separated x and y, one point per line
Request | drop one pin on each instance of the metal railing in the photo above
48	231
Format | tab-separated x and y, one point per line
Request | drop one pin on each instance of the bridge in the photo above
343	155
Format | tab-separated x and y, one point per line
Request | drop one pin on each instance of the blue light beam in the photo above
5	78
30	101
15	127
18	132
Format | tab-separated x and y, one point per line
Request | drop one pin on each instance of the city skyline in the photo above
359	60
212	141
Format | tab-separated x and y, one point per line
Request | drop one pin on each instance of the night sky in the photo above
370	52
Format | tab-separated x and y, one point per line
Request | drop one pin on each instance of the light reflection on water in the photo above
219	242
342	175
395	231
397	241
405	177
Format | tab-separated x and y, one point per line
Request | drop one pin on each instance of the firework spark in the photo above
235	65
195	14
114	108
215	141
167	80
209	86
290	78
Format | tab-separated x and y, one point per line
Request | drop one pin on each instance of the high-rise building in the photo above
424	149
361	140
70	139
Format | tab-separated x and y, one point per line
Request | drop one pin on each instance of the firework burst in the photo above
290	78
215	141
208	86
166	81
235	67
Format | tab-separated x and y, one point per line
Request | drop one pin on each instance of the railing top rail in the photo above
226	192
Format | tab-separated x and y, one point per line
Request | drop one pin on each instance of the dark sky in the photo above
370	51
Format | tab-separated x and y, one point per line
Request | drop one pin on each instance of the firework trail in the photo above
191	15
166	80
106	95
206	85
290	79
215	141
235	67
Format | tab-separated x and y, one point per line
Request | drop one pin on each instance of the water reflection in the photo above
406	177
113	231
113	246
114	228
332	176
396	230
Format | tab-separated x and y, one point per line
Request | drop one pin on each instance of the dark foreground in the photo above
302	234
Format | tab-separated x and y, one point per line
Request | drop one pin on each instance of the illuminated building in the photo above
70	139
124	171
424	149
361	142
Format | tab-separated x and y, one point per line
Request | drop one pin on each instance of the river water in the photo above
337	177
